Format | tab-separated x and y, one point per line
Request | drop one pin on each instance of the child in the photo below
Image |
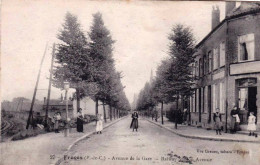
218	121
251	127
99	126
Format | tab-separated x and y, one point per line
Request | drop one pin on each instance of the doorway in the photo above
247	91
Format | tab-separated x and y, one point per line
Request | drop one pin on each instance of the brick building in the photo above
227	65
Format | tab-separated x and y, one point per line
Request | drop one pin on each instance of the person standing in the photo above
57	118
234	120
218	121
99	126
185	115
134	123
80	121
251	127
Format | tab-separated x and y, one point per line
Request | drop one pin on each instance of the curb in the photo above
202	138
83	137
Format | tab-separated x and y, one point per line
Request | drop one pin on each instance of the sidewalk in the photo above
45	148
203	134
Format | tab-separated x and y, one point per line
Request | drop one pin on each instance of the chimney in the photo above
215	20
230	5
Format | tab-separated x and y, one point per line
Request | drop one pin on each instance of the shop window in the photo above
246	47
222	57
242	98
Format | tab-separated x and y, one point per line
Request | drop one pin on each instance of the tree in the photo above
72	57
181	51
162	89
101	48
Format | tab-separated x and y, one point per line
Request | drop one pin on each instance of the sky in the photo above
140	29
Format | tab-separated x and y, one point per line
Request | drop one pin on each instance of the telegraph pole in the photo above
49	89
35	90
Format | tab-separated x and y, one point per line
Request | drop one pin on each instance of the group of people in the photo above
235	120
80	121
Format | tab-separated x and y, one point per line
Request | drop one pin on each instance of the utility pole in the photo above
35	90
49	89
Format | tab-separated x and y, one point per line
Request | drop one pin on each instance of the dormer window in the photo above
246	47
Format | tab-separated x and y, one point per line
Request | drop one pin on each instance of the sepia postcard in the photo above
135	82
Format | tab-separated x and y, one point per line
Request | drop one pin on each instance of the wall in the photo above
89	107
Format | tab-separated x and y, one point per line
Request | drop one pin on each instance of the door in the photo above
200	105
209	104
252	91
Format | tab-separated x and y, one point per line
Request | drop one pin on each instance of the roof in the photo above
245	8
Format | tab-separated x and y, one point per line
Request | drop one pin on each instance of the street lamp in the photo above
66	87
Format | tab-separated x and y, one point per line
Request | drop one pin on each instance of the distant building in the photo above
88	106
57	105
228	66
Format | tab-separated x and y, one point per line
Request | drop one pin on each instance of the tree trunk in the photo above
162	112
78	99
104	109
96	107
114	110
110	110
177	111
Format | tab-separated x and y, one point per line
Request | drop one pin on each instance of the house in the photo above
57	105
227	67
88	106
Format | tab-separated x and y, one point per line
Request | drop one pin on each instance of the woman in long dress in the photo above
251	127
80	120
99	126
218	122
57	118
134	123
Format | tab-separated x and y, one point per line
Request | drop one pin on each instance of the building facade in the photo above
227	67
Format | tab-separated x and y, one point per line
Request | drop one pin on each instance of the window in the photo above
221	97
216	58
196	69
193	102
214	97
210	61
205	65
218	97
200	67
246	47
222	57
202	100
